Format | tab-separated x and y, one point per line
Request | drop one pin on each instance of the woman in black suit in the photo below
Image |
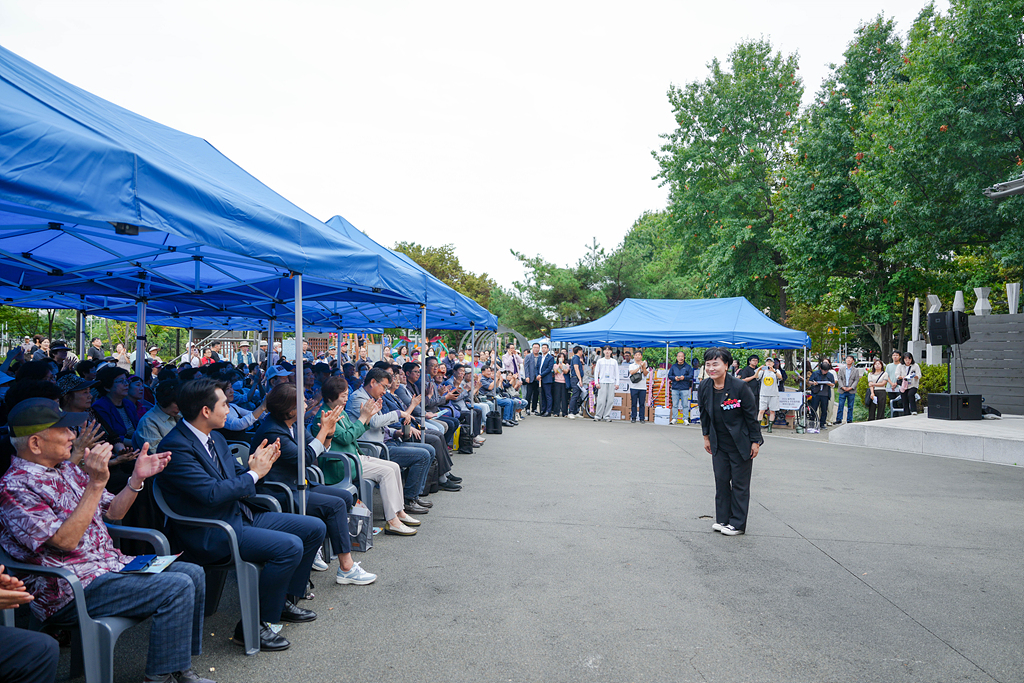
329	503
732	435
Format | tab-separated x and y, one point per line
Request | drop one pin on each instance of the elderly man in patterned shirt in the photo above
51	514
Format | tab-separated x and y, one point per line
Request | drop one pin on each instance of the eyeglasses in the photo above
121	380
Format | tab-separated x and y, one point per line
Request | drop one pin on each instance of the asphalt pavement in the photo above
583	552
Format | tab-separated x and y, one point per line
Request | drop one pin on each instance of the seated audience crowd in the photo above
85	442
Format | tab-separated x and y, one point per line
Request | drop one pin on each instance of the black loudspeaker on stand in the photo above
948	328
951	328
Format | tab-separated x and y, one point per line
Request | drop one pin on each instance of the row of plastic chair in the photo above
94	639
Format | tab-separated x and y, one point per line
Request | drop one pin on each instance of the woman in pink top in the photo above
559	392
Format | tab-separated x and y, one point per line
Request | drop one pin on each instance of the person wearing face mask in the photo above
821	383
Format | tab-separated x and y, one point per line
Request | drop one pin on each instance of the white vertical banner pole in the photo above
300	398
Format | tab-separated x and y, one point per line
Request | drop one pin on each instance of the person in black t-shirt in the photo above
748	375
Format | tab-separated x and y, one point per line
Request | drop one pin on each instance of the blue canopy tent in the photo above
732	322
95	199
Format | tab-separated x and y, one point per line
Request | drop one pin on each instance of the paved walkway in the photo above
583	552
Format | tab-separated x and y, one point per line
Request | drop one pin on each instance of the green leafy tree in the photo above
442	263
949	126
837	253
722	166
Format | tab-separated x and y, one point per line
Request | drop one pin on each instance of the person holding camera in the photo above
638	373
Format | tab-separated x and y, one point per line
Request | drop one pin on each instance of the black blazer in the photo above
742	423
194	486
285	469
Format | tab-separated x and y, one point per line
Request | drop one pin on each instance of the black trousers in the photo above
27	656
441	453
819	403
532	395
732	487
577	399
451	424
560	399
876	411
638	404
332	505
910	401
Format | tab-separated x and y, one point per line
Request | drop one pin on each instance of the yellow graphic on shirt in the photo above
768	381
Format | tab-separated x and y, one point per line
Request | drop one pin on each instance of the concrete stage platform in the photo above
996	441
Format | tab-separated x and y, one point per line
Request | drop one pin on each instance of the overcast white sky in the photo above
489	125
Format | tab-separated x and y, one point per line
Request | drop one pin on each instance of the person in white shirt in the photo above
606	372
638	388
908	376
161	418
769	378
892	371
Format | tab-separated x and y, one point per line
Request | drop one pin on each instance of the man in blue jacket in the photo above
680	381
546	370
203	480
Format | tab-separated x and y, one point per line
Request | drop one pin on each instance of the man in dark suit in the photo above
732	435
203	480
546	370
531	370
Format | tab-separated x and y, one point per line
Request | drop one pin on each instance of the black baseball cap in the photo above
34	415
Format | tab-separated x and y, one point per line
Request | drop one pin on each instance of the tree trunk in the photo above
903	320
782	298
882	334
49	319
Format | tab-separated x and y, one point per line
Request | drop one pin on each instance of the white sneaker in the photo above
356	576
730	530
571	416
319	563
717	527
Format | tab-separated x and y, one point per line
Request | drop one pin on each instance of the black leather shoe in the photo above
449	486
423	503
294	614
455	480
412	508
269	641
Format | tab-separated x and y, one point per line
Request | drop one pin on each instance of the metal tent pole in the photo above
423	373
803	396
80	332
140	338
300	399
270	340
472	363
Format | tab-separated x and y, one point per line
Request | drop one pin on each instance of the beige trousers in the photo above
389	476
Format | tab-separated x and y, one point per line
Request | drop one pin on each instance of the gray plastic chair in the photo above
370	449
239	450
92	651
248	573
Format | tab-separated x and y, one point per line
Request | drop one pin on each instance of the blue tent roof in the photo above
730	322
446	308
97	199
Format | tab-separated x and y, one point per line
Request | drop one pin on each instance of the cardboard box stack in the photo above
621	404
